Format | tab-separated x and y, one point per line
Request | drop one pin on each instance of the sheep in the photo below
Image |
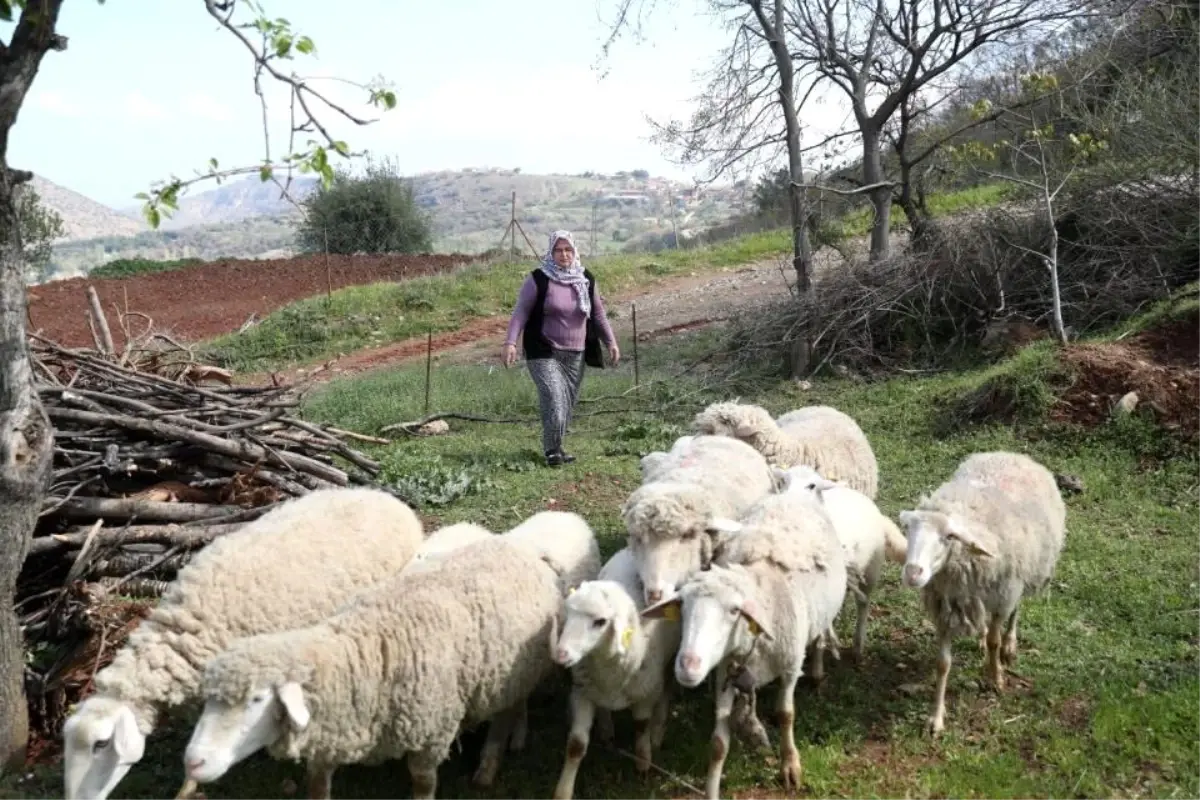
405	669
336	541
617	661
988	536
443	541
820	436
868	538
753	615
652	463
668	517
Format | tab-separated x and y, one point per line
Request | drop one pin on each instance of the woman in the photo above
554	308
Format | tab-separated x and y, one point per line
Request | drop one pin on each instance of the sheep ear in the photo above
292	697
664	609
723	525
821	484
781	478
955	529
744	430
128	742
907	519
749	611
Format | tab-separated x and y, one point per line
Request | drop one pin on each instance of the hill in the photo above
469	208
82	217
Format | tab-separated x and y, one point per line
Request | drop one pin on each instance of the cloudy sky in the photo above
149	87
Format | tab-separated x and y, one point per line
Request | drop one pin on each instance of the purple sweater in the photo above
563	325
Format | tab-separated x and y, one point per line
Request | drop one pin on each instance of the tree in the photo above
372	213
883	55
26	440
40	226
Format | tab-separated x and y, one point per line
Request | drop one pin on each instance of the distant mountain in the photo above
84	218
234	201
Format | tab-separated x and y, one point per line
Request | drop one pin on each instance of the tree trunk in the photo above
881	196
26	439
26	449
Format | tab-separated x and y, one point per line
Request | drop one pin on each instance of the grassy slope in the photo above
1109	704
318	328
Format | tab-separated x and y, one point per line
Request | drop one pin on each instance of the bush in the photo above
373	213
40	226
124	267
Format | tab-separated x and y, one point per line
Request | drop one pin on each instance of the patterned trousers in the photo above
558	379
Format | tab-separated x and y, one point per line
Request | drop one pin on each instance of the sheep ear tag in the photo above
626	638
671	612
570	591
754	629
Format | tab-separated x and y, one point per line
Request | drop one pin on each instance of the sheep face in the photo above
932	538
228	733
802	478
101	741
736	420
598	612
719	620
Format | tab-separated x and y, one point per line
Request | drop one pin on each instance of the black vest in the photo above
537	346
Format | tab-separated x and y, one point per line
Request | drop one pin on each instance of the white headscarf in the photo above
571	276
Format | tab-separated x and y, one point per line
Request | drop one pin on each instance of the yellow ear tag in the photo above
570	591
627	638
671	612
754	629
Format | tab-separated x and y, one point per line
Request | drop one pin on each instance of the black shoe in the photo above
566	457
554	459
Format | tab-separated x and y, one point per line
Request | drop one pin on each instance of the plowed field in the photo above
209	299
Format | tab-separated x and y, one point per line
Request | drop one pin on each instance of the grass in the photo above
359	316
127	267
1110	701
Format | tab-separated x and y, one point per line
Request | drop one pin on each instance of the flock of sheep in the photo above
335	630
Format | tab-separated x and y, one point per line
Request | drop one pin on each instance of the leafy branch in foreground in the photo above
271	42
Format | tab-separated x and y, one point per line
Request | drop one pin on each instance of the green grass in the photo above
858	223
358	316
126	267
1110	704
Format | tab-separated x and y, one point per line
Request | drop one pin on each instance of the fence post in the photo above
635	353
328	270
428	368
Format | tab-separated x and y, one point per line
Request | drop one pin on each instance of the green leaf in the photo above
6	11
212	162
141	196
152	215
342	148
305	45
283	45
265	172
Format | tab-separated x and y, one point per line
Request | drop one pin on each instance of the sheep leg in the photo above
816	657
643	749
937	721
1008	654
659	717
499	729
320	781
720	736
789	756
583	712
520	733
994	672
862	605
422	768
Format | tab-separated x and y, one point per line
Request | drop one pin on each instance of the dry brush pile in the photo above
155	454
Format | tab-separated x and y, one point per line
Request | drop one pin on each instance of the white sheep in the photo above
868	538
617	661
443	541
668	517
987	537
403	670
292	566
753	615
651	463
820	436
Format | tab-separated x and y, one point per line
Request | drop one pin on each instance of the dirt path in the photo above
673	305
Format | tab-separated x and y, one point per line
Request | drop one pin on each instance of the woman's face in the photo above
564	254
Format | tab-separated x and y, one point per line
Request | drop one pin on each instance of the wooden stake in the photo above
428	367
106	339
635	353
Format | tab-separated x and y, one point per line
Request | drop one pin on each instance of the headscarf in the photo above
571	276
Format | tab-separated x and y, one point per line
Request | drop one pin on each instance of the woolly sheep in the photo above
652	463
402	671
985	538
668	517
752	616
617	661
822	437
442	542
336	541
868	537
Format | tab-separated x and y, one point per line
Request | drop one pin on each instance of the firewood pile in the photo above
155	454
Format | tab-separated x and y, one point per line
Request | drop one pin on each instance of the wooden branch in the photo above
138	508
409	427
136	534
106	340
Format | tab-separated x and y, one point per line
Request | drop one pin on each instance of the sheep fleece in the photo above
409	665
293	566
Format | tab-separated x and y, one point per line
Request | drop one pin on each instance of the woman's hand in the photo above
614	354
508	355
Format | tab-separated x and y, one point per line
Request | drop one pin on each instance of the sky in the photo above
151	88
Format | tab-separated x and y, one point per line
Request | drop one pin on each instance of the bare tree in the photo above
26	439
881	54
